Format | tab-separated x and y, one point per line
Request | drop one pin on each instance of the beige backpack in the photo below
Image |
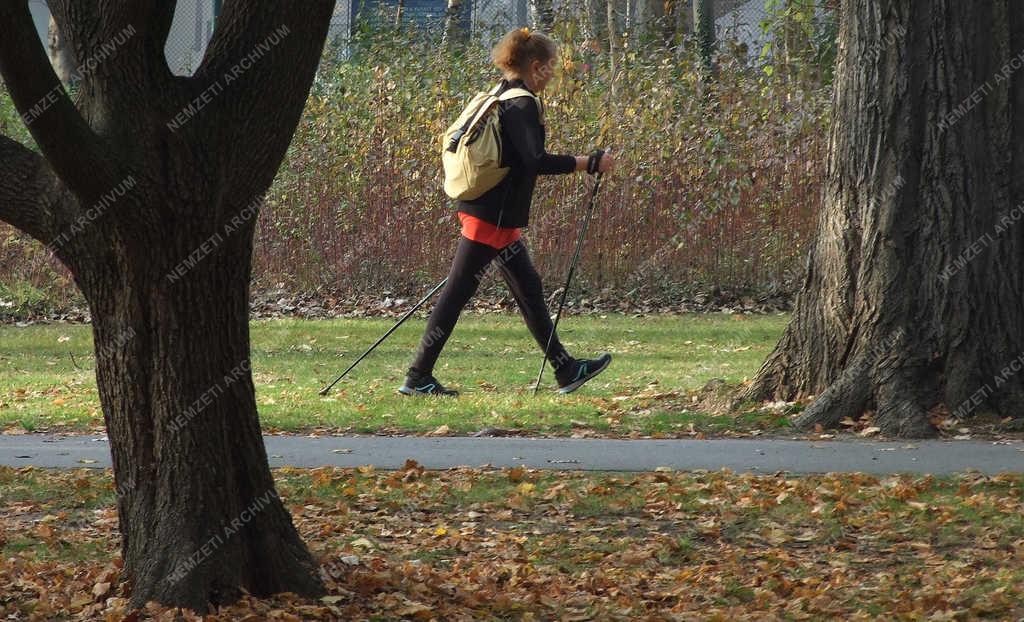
471	148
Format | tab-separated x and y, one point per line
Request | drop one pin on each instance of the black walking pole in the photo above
405	317
568	280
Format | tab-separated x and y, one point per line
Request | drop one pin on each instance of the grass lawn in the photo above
522	545
46	379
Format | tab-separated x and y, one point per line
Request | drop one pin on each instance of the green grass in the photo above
46	378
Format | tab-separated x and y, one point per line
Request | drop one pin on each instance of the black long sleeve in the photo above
522	139
521	122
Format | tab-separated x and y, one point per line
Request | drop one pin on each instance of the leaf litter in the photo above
520	544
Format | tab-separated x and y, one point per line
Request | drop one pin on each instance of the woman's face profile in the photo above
543	73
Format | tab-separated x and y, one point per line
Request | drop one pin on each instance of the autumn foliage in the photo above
525	545
715	189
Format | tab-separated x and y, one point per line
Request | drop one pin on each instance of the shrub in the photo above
717	186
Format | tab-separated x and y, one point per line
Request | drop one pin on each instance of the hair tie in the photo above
526	30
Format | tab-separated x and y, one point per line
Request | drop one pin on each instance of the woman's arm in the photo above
522	123
604	165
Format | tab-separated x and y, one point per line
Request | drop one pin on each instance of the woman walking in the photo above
491	224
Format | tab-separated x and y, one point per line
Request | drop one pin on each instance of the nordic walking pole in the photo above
405	317
568	280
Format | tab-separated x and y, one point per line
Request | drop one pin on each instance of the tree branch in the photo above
262	59
73	150
25	183
107	39
160	18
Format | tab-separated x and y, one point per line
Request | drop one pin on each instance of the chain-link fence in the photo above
748	25
752	26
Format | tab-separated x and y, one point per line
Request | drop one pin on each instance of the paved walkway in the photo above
747	455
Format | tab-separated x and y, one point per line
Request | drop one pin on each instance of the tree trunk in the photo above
910	309
542	15
704	29
684	17
456	26
594	23
148	190
200	517
613	50
648	19
60	55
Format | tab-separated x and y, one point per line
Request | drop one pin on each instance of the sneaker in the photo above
577	373
425	385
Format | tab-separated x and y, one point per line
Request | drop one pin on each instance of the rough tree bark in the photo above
911	305
147	188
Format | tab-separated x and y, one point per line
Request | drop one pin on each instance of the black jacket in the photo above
522	140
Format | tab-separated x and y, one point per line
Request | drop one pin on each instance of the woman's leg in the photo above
525	284
468	268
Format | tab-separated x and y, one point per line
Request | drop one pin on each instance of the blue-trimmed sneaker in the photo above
577	373
425	385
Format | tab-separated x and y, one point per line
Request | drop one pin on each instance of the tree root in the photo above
899	409
846	397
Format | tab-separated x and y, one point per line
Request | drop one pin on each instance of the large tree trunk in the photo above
148	191
911	307
200	517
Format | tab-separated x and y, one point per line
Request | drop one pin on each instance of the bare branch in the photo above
72	149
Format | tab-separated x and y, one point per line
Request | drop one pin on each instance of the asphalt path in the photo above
740	455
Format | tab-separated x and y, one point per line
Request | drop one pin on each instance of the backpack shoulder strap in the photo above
486	102
518	92
485	107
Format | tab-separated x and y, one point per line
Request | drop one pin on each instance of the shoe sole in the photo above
569	388
415	393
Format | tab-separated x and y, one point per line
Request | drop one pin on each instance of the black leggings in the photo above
471	264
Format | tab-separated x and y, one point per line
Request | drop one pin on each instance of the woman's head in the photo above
529	56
